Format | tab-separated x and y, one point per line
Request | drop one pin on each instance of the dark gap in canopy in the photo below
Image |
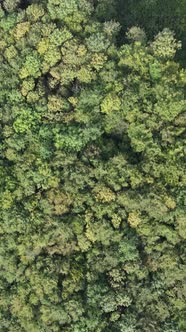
24	4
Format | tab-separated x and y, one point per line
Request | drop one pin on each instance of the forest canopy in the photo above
93	176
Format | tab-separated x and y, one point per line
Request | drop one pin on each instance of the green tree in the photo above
92	187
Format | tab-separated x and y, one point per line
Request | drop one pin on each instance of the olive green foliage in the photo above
92	186
151	15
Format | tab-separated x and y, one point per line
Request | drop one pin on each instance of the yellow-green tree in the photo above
92	186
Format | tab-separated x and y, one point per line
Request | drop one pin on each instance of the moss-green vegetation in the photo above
92	185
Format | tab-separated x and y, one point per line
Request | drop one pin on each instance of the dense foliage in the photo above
93	177
151	15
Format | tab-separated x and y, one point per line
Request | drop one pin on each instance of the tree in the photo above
92	173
